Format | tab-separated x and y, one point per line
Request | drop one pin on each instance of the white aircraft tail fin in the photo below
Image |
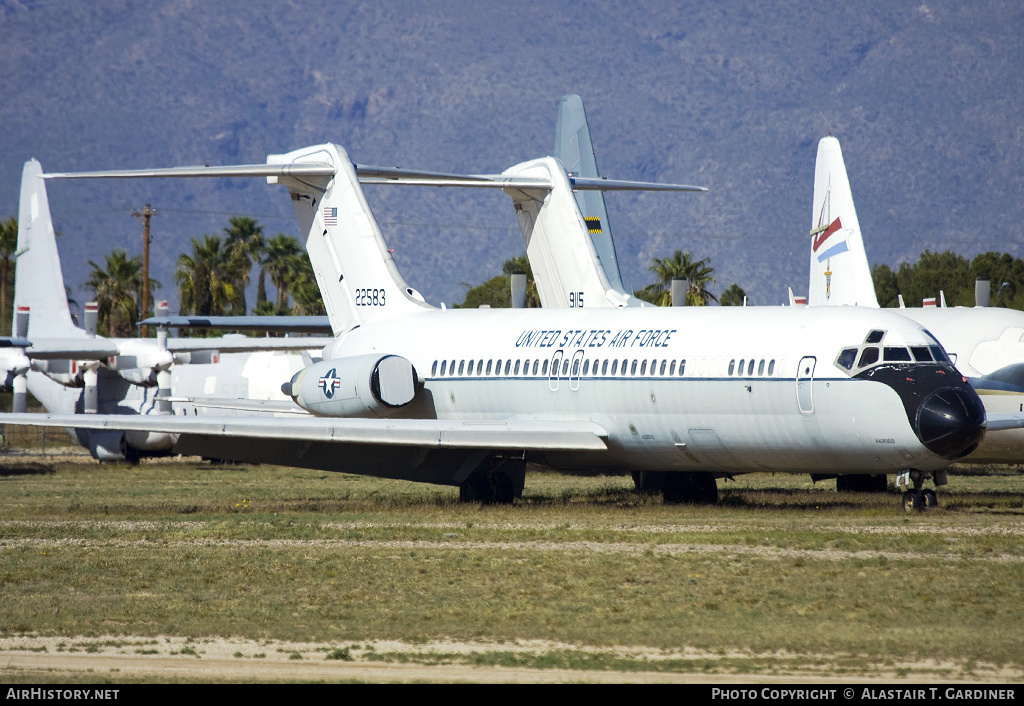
39	282
565	263
575	150
839	266
358	278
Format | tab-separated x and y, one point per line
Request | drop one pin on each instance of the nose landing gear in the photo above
919	498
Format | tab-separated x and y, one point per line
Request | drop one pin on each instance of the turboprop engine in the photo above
361	386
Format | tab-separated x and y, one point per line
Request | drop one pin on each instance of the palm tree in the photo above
8	246
245	236
211	281
680	266
304	288
118	290
279	263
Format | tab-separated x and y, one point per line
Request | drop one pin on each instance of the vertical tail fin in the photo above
839	265
38	281
358	278
564	261
574	148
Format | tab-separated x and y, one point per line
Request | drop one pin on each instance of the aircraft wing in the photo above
270	324
498	434
243	344
1003	421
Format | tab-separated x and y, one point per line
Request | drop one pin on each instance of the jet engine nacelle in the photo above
361	386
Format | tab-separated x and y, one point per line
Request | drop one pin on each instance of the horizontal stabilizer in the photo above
270	324
239	170
372	175
429	433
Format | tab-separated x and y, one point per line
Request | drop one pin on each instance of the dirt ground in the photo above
241	660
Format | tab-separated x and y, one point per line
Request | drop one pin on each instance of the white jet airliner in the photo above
468	397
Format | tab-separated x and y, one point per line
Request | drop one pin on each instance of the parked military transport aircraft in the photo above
467	397
986	344
69	369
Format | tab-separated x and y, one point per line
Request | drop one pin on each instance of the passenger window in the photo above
682	367
497	368
535	363
624	365
742	365
632	368
750	368
760	368
771	368
895	353
480	367
565	367
672	368
462	366
575	367
508	366
643	367
615	367
433	369
586	367
662	371
847	358
604	368
451	368
444	367
545	369
489	364
516	371
732	366
868	357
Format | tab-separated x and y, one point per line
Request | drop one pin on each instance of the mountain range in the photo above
925	98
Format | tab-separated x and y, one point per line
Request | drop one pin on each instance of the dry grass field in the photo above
179	570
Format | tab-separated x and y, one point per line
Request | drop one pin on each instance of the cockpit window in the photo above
868	357
874	336
921	354
895	353
940	355
847	358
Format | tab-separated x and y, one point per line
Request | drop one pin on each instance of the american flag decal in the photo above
593	224
330	215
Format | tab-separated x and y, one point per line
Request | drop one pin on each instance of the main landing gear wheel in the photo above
694	488
862	483
499	481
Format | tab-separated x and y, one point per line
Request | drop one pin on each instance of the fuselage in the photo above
688	388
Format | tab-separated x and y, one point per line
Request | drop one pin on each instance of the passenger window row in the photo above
746	367
610	367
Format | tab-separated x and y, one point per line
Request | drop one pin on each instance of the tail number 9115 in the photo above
369	297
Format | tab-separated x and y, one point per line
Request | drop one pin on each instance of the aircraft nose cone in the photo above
950	422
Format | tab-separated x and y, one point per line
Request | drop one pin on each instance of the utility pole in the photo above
144	215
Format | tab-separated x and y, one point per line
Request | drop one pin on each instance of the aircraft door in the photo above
555	371
804	383
576	370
